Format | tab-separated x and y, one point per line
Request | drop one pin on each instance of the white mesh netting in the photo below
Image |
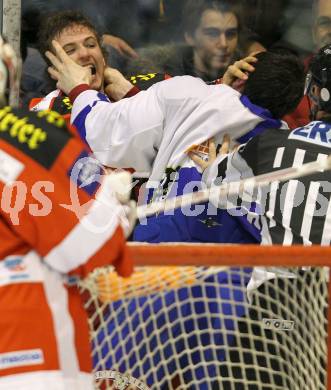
193	328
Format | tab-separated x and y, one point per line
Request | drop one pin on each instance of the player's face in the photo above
82	46
214	42
323	31
322	25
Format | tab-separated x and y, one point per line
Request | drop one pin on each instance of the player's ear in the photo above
189	39
239	85
104	54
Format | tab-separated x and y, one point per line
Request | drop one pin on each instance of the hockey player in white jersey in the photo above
295	212
153	130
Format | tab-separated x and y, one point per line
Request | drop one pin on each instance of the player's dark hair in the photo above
55	23
320	75
277	83
194	9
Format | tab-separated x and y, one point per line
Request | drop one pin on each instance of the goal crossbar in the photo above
129	316
179	254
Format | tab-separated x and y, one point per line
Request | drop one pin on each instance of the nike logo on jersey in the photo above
210	222
318	133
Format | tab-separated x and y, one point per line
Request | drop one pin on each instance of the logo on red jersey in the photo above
15	264
41	136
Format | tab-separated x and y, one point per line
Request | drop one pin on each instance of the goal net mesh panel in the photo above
195	327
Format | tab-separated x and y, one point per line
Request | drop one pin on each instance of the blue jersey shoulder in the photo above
317	132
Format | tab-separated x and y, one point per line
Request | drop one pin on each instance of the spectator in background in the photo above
211	33
321	31
322	23
211	30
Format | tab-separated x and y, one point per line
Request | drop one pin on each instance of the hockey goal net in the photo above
189	318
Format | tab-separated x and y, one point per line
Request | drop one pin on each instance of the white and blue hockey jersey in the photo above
152	131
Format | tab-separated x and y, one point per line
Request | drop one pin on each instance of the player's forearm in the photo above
74	93
123	134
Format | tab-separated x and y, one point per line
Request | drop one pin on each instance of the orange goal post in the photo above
212	316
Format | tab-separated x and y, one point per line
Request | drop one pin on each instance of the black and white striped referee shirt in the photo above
293	212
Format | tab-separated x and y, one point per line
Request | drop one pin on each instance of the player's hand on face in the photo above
67	73
239	70
116	85
119	184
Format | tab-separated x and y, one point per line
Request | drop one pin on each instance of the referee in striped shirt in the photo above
297	211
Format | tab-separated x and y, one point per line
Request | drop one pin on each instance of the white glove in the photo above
120	185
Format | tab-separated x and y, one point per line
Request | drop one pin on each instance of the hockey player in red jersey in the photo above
79	38
59	220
